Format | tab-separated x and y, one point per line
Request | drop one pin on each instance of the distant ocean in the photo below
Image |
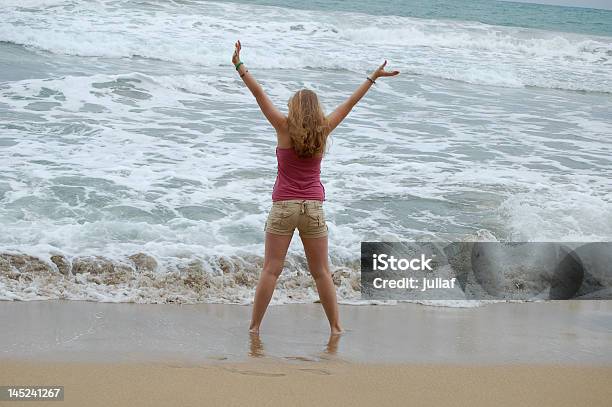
136	167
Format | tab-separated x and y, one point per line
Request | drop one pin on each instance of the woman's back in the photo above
297	178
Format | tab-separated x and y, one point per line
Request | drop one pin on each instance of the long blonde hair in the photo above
308	126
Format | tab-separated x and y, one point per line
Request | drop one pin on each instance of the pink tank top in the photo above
297	178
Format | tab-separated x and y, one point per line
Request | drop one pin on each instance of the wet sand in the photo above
540	354
553	332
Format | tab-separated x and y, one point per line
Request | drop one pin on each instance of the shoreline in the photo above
503	354
564	332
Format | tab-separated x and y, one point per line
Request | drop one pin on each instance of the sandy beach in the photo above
505	354
307	383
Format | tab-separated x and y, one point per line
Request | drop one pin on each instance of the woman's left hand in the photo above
236	56
381	71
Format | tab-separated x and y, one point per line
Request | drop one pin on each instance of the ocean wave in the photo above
462	51
143	278
498	40
32	3
575	215
507	79
476	75
111	44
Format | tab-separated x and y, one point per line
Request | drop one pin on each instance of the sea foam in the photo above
200	34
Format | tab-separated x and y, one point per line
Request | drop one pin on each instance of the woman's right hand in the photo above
236	55
381	71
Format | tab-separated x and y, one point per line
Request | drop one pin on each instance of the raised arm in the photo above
274	116
336	117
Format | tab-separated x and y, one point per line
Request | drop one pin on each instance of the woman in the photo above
298	193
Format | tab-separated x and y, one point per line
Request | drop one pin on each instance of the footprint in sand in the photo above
218	357
255	373
321	372
300	358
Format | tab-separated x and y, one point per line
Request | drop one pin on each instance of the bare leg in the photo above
274	259
316	254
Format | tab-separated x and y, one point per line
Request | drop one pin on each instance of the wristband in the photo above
371	80
238	65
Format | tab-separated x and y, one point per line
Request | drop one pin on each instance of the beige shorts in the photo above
305	215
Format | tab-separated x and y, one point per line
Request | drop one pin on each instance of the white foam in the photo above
572	216
201	34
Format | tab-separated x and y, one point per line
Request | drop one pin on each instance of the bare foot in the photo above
332	344
256	345
254	330
337	331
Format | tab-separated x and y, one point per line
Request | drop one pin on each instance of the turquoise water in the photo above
505	13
